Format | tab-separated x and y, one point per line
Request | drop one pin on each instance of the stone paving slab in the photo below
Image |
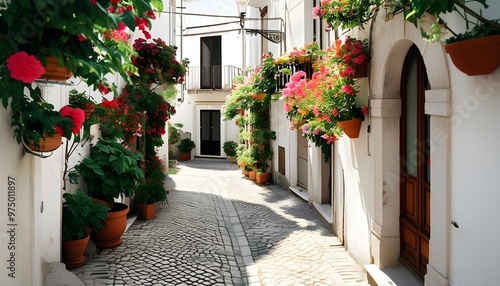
222	229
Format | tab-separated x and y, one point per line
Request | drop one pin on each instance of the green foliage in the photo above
111	170
186	145
80	100
80	212
479	30
150	193
33	119
247	159
230	148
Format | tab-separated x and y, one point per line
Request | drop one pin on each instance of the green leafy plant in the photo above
111	170
81	100
186	145
80	212
34	119
87	37
156	63
345	13
229	148
150	193
415	11
247	160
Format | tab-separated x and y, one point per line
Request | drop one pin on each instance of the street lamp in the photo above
242	10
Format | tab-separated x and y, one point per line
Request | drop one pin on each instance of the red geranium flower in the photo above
24	67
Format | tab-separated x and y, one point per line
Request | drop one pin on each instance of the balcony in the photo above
211	77
282	79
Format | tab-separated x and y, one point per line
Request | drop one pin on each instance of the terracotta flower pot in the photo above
88	112
111	234
262	178
148	211
55	72
260	96
361	71
351	127
251	175
73	252
184	156
244	171
46	144
478	56
232	159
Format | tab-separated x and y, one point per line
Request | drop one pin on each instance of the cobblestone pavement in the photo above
222	229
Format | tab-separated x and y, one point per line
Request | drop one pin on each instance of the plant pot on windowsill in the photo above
55	72
477	56
351	127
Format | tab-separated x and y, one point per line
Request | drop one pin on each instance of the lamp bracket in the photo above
272	35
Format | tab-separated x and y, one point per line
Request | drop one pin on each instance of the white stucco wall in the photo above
474	173
15	234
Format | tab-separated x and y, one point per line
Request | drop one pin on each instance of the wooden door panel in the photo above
409	247
411	200
424	253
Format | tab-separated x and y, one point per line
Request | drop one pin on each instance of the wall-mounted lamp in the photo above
242	11
272	35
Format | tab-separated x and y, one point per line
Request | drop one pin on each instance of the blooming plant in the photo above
37	119
156	63
81	100
318	104
86	36
345	13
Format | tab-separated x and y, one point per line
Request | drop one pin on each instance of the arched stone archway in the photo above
391	41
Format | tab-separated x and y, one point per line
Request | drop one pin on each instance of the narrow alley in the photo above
219	228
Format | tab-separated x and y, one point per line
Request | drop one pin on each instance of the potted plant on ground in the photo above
185	147
148	194
80	214
230	150
111	171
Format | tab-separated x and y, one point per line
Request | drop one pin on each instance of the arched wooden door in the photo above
415	165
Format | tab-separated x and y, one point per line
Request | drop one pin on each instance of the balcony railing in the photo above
221	77
282	79
211	77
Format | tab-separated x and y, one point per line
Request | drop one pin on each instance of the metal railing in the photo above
211	77
282	79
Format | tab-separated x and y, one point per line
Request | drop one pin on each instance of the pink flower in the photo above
348	89
298	76
335	112
347	72
82	38
77	116
359	59
317	12
316	110
24	67
287	107
364	110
